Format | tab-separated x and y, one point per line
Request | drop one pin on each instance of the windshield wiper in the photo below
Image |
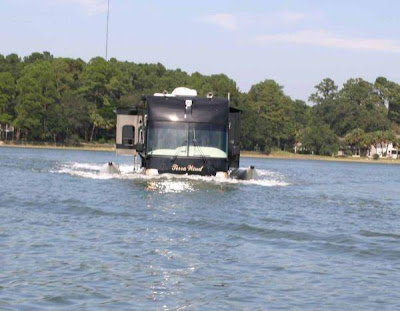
201	151
178	151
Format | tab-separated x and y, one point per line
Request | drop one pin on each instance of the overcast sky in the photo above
297	43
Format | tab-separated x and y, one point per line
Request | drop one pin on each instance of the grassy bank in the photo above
288	155
245	154
83	146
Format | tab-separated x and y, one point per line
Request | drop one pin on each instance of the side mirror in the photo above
139	147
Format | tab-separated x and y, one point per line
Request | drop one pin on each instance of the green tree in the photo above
389	93
326	101
11	64
394	108
326	91
38	57
355	139
96	119
251	132
357	105
37	93
273	108
368	140
319	139
68	74
7	97
360	93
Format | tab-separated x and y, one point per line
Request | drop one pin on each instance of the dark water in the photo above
308	236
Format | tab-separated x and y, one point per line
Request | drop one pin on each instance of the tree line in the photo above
69	101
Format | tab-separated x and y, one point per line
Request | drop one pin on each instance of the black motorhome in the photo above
181	133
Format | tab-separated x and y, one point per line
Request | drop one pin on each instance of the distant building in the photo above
297	147
388	150
6	131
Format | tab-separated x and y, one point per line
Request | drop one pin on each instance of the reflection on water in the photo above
306	236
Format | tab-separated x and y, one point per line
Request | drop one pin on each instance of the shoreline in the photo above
83	147
244	154
310	157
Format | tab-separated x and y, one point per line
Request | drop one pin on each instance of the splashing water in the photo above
166	182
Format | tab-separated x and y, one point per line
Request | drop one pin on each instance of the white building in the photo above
384	151
6	131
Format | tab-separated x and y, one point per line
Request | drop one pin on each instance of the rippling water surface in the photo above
309	235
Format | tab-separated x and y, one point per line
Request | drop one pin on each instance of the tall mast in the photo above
108	19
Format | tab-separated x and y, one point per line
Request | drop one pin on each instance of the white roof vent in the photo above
184	91
179	91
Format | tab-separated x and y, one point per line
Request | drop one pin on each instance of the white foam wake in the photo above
167	182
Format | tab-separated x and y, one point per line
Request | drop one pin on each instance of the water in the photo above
309	235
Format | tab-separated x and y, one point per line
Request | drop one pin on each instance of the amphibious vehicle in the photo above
181	133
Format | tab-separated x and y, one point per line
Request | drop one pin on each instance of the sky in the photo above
295	42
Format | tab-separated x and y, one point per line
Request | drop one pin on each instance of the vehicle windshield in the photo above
207	140
167	138
186	139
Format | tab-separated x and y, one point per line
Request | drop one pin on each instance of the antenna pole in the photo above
108	19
